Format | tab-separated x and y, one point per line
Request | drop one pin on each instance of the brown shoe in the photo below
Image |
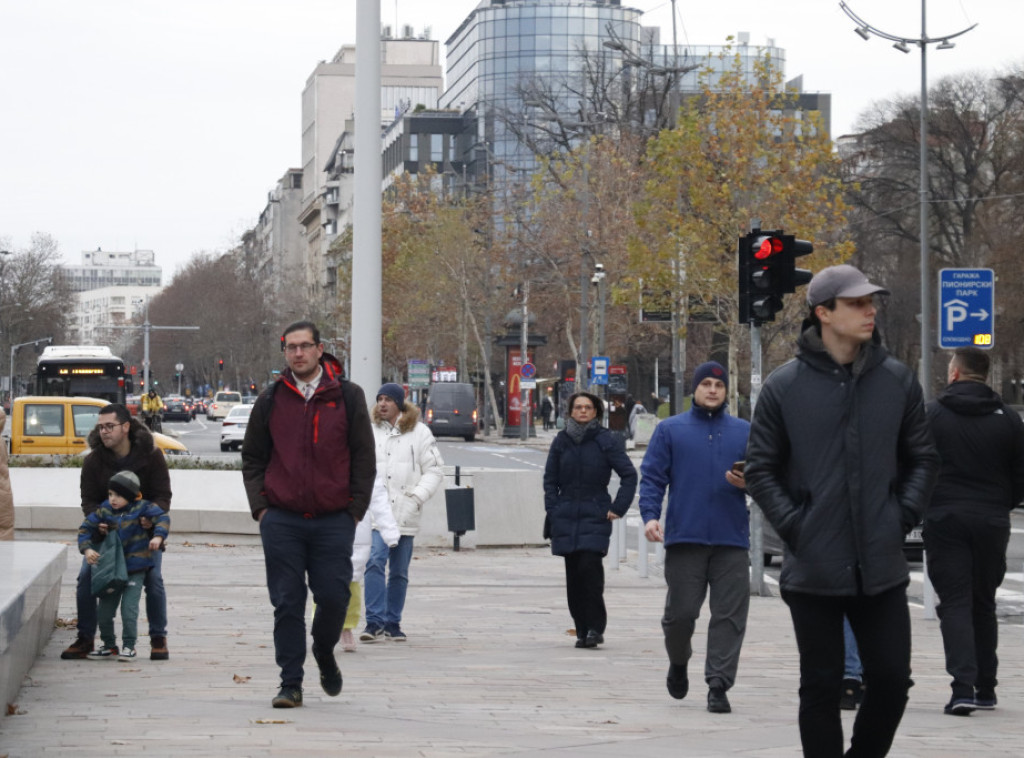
79	649
158	649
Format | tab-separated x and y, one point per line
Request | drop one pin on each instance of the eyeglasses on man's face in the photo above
110	427
302	347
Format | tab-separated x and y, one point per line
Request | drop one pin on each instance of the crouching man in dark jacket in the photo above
841	461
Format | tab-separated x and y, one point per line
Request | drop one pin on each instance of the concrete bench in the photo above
30	576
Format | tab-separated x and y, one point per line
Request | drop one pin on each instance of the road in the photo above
202	438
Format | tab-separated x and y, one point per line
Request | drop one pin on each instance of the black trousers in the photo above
584	587
297	550
966	555
881	624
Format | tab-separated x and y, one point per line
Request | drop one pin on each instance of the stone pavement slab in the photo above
489	670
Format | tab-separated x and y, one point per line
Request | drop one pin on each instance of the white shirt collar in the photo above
314	382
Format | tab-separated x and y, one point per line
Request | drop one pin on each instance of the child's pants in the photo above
354	603
129	600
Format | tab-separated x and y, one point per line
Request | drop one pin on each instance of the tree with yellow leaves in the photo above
741	151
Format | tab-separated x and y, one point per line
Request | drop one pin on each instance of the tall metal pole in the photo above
865	30
756	517
926	280
366	250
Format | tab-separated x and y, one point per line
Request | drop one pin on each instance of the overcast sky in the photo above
134	124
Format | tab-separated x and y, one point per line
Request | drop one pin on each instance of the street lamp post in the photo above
865	30
598	280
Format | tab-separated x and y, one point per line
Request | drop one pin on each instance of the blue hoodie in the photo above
689	455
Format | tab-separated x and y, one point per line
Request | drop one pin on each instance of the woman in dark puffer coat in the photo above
580	510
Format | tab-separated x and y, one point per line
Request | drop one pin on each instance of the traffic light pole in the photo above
146	327
756	517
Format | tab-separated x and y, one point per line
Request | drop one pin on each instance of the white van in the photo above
222	403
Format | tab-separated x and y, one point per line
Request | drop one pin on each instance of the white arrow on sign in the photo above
982	314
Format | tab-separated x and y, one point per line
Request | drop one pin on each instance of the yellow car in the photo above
61	425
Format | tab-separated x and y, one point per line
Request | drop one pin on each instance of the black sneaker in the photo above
985	698
288	697
853	693
372	634
330	674
394	633
959	706
717	701
677	681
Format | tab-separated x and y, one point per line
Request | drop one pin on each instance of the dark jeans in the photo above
156	599
294	547
967	562
584	587
689	571
881	624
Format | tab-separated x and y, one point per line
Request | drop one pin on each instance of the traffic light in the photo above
792	248
220	364
767	272
762	276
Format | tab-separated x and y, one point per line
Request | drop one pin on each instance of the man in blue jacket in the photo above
706	533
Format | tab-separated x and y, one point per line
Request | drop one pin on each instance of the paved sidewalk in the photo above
488	670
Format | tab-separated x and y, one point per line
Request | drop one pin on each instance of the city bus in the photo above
80	371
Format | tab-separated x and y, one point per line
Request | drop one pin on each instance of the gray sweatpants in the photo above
689	571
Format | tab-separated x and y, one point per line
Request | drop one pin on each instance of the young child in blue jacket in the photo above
123	510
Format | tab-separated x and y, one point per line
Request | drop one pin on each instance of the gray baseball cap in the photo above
840	281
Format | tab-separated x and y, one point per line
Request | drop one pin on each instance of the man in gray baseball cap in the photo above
842	463
840	281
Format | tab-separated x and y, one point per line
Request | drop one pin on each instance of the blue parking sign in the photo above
966	308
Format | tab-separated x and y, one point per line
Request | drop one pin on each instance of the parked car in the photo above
177	409
451	410
232	430
222	403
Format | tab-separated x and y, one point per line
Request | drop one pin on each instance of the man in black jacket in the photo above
841	461
967	528
122	443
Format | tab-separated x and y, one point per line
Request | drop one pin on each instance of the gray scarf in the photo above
576	430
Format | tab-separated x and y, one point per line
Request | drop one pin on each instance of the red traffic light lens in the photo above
769	247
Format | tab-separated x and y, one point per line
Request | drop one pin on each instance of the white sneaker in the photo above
127	654
348	641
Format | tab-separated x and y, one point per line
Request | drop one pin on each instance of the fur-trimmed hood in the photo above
406	421
139	435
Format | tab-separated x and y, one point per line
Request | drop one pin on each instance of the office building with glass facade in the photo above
506	46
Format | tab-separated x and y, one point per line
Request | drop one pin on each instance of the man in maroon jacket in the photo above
308	464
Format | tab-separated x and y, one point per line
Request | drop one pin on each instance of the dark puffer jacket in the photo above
144	458
981	443
842	463
576	495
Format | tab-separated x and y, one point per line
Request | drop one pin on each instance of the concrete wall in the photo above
30	576
509	505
